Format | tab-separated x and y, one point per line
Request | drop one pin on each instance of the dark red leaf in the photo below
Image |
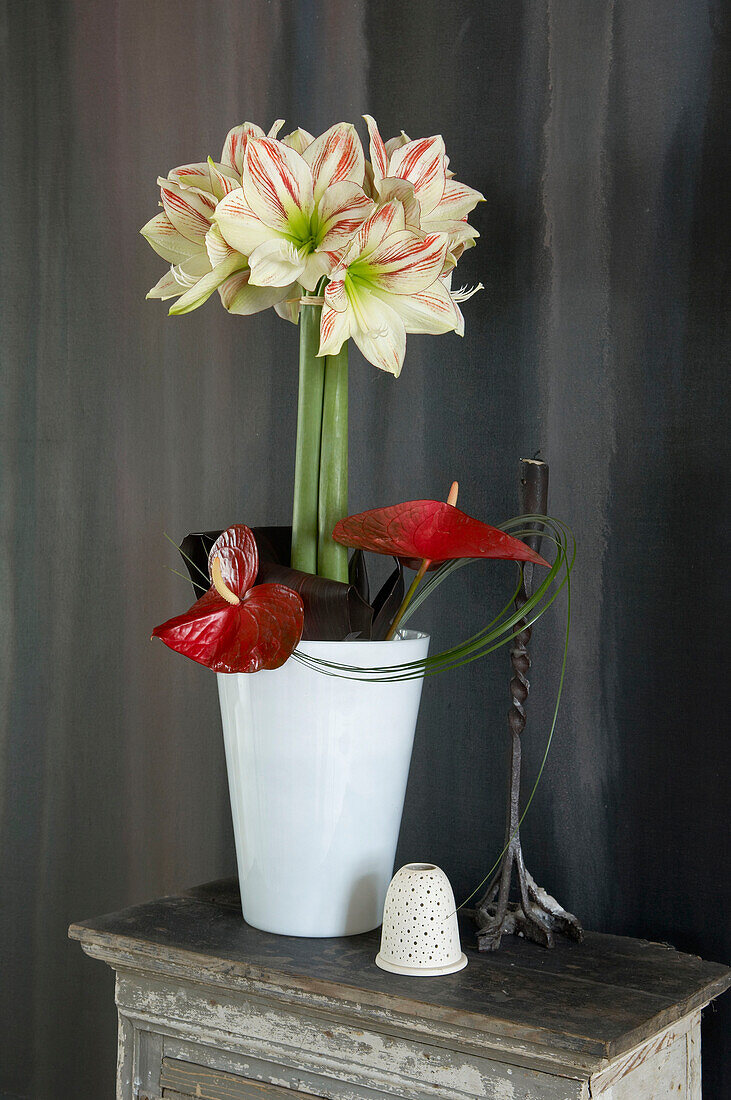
358	575
333	610
429	529
259	632
236	549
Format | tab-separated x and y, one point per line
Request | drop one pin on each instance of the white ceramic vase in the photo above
317	769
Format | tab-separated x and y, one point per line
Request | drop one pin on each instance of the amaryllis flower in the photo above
234	147
183	234
431	530
298	140
293	209
417	174
237	626
387	283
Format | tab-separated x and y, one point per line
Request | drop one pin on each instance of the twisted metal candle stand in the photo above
535	915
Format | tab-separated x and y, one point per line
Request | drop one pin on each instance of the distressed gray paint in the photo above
596	132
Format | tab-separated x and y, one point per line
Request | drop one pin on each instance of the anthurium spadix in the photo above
387	283
293	209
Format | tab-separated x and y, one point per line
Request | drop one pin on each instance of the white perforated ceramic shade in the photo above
420	935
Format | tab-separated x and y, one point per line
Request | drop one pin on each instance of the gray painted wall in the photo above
596	132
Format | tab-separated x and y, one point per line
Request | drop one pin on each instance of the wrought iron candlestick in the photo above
535	914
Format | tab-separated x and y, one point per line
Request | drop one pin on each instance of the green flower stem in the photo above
309	432
408	598
452	500
332	558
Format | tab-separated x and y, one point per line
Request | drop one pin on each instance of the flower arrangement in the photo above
347	248
363	249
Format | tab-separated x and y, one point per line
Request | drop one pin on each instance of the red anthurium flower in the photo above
236	626
432	530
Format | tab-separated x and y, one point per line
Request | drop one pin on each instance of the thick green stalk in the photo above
332	558
309	433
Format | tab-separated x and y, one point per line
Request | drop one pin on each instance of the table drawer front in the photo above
305	1053
183	1079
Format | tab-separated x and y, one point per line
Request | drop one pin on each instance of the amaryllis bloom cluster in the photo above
279	218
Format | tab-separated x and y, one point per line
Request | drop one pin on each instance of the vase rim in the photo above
404	636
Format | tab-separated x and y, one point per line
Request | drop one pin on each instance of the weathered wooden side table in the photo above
211	1008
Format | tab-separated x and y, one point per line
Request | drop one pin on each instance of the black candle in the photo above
534	495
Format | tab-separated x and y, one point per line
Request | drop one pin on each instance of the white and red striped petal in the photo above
429	311
423	162
457	201
395	143
289	308
336	259
161	234
223	179
335	329
459	233
298	140
454	254
334	157
189	211
366	308
369	185
234	147
276	262
382	335
195	176
277	183
392	189
240	297
335	295
166	287
217	248
379	156
201	291
317	264
239	226
181	276
342	210
405	263
377	328
190	271
387	219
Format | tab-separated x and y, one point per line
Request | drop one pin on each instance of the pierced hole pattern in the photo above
415	931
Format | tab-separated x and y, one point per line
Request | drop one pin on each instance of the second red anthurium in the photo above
430	529
237	626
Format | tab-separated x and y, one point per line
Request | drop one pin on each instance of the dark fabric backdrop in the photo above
596	132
